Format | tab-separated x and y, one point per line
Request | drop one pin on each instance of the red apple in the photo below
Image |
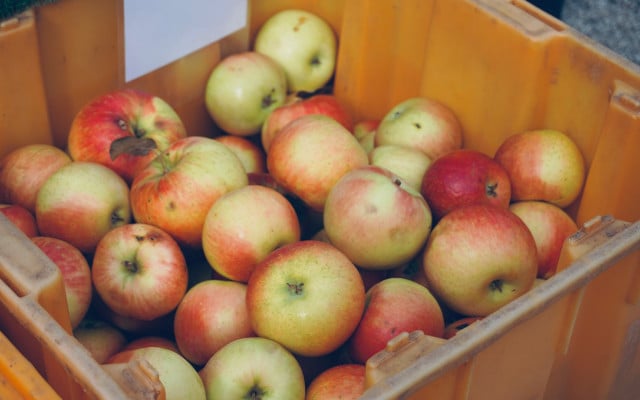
307	296
211	314
249	153
139	271
244	226
550	226
464	177
393	306
543	164
180	379
151	341
344	381
253	368
21	217
123	130
421	123
325	104
310	154
478	258
25	169
376	219
176	189
81	202
75	271
100	338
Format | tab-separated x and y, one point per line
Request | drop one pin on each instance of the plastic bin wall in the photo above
502	65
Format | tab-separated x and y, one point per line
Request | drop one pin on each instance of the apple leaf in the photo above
131	145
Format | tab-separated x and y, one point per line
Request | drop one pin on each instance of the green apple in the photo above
242	90
253	368
408	163
303	44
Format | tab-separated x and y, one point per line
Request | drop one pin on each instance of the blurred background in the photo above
613	23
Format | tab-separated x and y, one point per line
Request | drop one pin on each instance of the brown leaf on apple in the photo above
131	145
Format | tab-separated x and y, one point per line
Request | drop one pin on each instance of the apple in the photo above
133	327
253	368
180	379
176	189
421	123
543	164
453	328
81	202
100	338
344	381
211	314
376	219
550	226
123	129
21	217
151	341
464	177
324	104
394	305
408	163
242	89
304	45
249	153
310	154
75	272
244	226
365	132
307	296
139	271
25	169
478	258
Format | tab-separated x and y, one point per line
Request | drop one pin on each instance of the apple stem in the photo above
496	285
268	100
131	266
255	393
295	288
491	190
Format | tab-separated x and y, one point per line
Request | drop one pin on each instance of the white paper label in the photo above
159	32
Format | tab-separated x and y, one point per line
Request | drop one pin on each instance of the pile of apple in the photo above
274	260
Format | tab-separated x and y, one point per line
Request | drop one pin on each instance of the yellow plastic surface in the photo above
504	67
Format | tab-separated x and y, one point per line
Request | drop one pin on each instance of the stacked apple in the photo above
275	259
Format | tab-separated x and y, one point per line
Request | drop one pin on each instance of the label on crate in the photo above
160	32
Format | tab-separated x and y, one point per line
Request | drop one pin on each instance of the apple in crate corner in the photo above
100	338
177	188
464	177
25	169
310	154
180	379
242	89
81	202
456	326
325	104
253	368
421	123
550	226
243	226
478	258
211	314
394	305
304	45
123	130
249	153
376	219
307	296
21	217
75	272
344	381
408	163
139	271
543	164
